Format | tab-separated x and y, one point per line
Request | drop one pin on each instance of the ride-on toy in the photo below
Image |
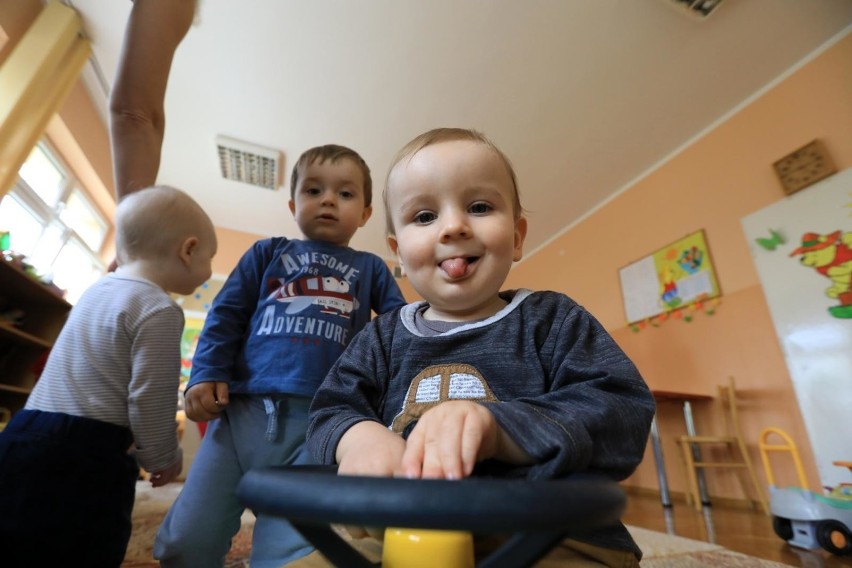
538	514
804	518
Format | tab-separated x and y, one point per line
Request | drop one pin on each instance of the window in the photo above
52	222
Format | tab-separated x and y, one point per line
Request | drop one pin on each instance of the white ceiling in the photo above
583	95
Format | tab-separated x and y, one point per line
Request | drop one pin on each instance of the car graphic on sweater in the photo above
330	293
439	383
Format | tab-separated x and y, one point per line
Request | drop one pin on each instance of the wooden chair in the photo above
732	441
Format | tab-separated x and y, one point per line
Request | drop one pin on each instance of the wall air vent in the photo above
249	163
698	8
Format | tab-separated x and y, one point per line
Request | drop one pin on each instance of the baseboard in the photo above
680	497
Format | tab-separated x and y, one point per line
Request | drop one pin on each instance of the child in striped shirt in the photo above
67	479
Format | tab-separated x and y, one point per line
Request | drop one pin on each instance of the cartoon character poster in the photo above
830	254
673	277
188	343
802	248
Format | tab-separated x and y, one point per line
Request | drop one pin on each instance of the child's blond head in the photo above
437	136
151	223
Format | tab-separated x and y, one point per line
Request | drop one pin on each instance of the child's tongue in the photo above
455	267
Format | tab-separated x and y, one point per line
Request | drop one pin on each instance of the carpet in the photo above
660	550
148	512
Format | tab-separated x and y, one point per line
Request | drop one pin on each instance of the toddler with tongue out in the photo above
474	380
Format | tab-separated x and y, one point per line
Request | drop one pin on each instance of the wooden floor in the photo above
742	530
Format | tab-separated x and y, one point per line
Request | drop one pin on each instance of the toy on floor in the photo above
538	514
804	518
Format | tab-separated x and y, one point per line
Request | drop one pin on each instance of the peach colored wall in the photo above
232	245
711	184
91	136
15	19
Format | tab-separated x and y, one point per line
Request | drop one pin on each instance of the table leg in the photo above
696	452
661	464
668	518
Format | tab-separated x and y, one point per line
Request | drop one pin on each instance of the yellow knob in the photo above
422	548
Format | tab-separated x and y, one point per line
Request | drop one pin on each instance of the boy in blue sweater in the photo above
475	380
284	315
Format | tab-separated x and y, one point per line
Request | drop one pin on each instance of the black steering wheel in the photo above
537	513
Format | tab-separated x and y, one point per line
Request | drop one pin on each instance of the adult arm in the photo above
137	117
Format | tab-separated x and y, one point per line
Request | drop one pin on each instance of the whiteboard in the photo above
815	336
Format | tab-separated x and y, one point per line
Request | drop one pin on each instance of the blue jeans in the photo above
251	433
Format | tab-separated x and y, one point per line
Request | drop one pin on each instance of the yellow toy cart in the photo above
804	518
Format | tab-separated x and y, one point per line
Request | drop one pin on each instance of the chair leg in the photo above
761	496
687	494
691	475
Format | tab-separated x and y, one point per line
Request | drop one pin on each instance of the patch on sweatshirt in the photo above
437	384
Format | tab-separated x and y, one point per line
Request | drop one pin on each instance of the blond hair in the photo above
152	222
333	153
436	136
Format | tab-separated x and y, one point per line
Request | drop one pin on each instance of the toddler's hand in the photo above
368	448
160	478
206	401
449	439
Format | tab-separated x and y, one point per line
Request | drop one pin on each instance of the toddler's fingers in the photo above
196	411
471	442
440	454
211	404
412	459
221	394
449	448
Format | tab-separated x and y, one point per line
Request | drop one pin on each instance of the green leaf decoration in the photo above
772	242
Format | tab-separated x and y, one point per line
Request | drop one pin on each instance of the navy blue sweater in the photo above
287	312
554	379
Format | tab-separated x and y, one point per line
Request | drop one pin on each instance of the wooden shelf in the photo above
18	283
40	314
10	388
12	332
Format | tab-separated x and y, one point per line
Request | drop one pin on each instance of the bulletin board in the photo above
671	278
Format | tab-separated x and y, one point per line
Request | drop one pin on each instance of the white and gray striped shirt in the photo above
117	360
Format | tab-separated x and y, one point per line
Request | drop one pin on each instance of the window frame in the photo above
49	215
